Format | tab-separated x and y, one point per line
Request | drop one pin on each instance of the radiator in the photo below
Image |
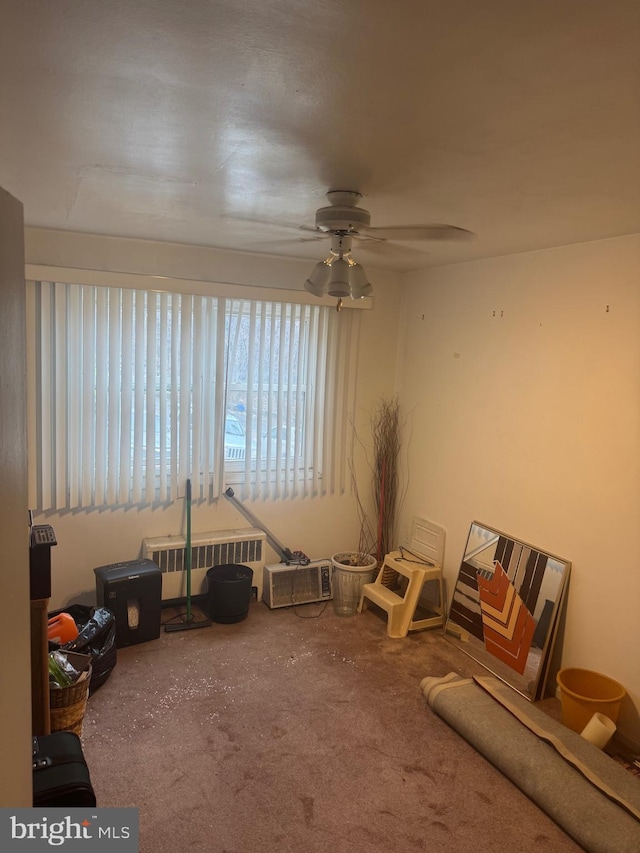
285	585
245	546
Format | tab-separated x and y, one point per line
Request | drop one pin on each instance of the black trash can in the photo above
229	592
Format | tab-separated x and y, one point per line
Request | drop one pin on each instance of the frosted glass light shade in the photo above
359	282
318	280
339	280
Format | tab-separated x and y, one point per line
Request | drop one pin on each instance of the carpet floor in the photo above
297	730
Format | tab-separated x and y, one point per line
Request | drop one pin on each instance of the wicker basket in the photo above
68	704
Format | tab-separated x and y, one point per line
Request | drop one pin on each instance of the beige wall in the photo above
15	690
319	527
522	374
520	379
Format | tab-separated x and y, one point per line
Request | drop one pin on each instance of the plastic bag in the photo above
62	673
96	637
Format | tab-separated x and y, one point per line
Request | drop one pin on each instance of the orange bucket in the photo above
62	628
584	693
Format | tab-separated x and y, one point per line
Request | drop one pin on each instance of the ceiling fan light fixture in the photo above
319	278
340	277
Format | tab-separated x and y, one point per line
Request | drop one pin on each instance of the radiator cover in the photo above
245	546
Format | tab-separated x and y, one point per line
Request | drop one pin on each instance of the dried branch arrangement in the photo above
377	537
385	428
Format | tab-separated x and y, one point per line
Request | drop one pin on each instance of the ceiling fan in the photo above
339	275
343	216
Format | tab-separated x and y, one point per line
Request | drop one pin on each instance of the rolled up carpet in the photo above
594	799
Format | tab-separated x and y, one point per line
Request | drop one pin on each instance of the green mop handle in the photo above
188	500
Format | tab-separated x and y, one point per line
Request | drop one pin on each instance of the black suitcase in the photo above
60	772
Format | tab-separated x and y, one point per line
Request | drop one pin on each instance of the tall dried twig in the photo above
385	428
383	461
366	541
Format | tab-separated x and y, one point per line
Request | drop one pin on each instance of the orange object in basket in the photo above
62	628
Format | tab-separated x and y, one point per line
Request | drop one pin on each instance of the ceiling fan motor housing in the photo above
342	218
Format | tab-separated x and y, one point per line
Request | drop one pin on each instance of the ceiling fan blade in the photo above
281	244
420	232
389	250
283	226
367	238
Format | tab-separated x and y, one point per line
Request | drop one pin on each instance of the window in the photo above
136	391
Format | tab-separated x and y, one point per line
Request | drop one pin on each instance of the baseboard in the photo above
627	745
199	600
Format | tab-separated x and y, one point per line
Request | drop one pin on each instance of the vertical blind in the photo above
292	368
133	391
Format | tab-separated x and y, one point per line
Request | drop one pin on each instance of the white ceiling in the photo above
186	120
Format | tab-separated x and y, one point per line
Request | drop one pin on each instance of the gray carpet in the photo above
281	733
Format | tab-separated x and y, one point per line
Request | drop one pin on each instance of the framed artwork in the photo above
505	607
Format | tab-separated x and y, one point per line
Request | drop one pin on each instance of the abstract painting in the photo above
505	607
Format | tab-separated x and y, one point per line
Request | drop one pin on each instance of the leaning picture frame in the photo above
505	607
